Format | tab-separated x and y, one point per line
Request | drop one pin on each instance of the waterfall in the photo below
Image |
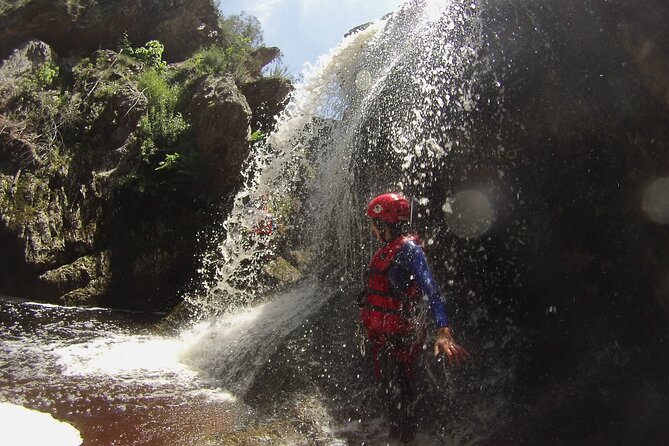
531	138
392	107
381	111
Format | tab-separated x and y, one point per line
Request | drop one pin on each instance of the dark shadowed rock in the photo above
266	97
573	259
221	117
260	58
78	27
357	29
564	299
82	282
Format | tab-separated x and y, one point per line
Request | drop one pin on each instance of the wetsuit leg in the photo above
398	391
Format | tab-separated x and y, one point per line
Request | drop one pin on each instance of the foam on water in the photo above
20	426
233	348
124	355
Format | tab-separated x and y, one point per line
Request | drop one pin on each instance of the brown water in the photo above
108	376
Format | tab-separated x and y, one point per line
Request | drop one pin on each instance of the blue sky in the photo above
305	29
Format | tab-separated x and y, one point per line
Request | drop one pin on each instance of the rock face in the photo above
87	214
260	58
573	272
587	123
80	27
80	282
563	298
221	118
266	97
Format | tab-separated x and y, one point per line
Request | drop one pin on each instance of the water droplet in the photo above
363	80
655	202
469	214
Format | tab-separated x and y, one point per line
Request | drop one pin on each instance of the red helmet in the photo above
391	208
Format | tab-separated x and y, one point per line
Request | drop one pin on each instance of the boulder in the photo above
267	97
220	116
260	58
82	282
282	271
25	58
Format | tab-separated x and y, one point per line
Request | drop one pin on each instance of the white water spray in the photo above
311	177
383	110
233	348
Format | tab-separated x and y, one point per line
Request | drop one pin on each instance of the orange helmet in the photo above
390	208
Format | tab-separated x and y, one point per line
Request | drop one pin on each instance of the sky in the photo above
305	29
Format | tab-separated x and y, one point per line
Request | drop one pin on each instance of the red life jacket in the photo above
386	313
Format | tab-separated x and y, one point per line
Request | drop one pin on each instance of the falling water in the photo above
476	110
387	109
381	111
390	108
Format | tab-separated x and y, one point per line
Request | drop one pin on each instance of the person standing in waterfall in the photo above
399	281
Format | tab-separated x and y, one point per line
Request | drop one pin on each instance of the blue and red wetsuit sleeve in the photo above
410	261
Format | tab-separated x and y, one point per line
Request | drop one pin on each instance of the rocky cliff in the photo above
111	160
80	27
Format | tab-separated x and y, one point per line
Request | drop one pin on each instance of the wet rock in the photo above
182	315
267	97
357	29
651	58
364	26
282	271
275	432
302	258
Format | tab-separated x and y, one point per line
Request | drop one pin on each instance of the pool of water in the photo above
110	376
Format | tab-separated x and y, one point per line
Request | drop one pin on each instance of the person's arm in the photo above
445	343
417	267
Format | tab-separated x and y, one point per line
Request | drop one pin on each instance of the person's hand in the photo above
446	344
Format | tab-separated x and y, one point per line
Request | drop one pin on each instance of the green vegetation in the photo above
182	168
231	60
65	113
162	127
149	56
46	75
257	135
242	26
